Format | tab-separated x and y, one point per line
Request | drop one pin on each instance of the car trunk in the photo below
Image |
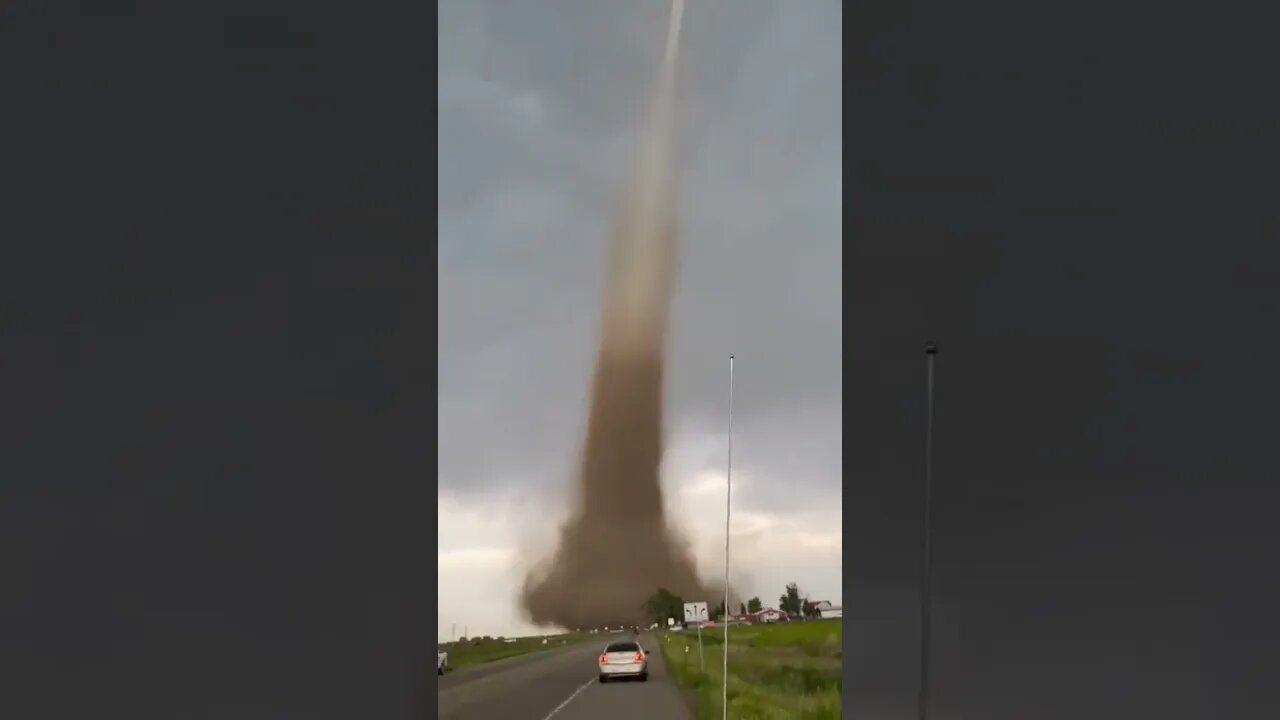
628	657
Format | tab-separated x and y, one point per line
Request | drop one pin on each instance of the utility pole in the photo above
728	494
926	564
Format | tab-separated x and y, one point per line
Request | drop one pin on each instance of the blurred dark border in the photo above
217	359
1075	202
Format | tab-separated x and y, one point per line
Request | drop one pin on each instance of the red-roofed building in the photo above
766	615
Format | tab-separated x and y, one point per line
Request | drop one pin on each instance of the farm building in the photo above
766	615
827	610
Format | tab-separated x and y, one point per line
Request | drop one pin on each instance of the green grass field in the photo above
476	651
784	670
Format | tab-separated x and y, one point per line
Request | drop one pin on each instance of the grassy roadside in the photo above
477	651
785	670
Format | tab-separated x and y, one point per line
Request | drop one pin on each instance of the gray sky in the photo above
538	110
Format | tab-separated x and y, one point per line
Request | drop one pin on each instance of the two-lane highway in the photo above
559	684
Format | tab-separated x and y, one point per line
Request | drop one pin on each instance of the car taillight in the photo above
639	657
604	660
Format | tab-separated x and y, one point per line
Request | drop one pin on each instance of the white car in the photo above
623	659
442	662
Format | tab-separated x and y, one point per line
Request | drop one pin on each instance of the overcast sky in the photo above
538	109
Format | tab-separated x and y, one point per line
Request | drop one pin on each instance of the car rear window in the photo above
622	647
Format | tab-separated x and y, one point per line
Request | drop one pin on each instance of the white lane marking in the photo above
569	699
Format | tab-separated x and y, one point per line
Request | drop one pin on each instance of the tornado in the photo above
617	549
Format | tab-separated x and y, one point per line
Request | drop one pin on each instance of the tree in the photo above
790	602
719	611
665	604
754	605
742	608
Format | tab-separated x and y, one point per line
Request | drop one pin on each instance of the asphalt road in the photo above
559	684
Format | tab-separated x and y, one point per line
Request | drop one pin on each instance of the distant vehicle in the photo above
442	662
624	659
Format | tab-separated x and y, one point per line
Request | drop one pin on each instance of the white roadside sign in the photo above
695	612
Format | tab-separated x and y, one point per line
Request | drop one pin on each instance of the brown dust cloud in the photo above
617	548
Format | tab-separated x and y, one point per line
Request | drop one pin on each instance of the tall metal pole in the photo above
728	494
702	661
926	564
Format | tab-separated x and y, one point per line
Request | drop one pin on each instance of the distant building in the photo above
766	615
769	615
827	610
